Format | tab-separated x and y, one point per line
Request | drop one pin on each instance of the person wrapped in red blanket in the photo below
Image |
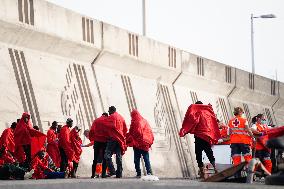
7	138
116	128
76	144
141	138
28	141
201	121
65	147
52	145
40	166
98	136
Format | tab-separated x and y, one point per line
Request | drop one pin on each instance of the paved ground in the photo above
125	184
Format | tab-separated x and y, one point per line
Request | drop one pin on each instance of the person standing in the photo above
76	143
241	137
7	138
261	151
116	140
200	120
141	138
65	148
52	144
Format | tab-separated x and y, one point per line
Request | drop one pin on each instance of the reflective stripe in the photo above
266	158
236	128
239	133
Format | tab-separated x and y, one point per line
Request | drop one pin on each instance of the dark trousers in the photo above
74	170
114	147
27	150
8	171
201	145
64	160
137	156
99	151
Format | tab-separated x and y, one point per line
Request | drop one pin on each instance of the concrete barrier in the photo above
55	64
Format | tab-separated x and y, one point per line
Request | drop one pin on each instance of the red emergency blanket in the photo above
140	133
271	133
76	143
99	129
24	134
7	139
117	129
65	143
201	121
52	147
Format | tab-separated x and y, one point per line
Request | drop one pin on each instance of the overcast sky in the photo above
215	29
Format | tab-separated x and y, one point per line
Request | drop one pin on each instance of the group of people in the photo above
245	140
25	152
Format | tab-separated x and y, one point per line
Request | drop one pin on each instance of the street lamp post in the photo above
252	39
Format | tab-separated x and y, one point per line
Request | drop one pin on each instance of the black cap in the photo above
111	109
69	120
198	102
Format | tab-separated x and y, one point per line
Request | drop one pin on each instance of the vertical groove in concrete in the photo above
132	94
81	92
31	92
83	29
16	72
98	87
31	12
26	11
125	91
88	29
94	115
92	31
20	10
89	110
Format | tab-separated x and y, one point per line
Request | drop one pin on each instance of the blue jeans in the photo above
113	147
137	156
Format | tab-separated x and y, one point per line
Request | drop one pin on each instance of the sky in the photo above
214	29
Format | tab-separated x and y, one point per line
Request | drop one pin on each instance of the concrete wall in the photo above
55	64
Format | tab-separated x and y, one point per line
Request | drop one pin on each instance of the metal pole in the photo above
144	17
252	45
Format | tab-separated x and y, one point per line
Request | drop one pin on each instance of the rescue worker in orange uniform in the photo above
240	137
261	152
225	133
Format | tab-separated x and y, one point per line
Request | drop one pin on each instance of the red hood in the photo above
140	133
201	121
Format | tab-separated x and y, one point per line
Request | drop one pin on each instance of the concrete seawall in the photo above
55	63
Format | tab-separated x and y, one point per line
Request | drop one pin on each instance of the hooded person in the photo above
28	141
76	143
98	135
40	166
65	147
116	143
7	138
141	138
52	145
201	121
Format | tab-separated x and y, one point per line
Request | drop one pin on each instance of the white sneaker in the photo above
29	175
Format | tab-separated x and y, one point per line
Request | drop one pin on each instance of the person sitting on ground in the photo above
225	133
141	138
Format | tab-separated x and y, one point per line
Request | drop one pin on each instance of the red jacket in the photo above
52	147
7	139
117	130
201	121
65	143
140	133
6	157
76	143
98	131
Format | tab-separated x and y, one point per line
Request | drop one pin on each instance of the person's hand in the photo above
220	141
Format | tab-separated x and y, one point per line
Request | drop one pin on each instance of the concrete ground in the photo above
125	183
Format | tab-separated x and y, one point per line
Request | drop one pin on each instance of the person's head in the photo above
58	128
77	128
254	119
111	110
238	111
86	133
260	119
26	117
13	125
69	122
198	102
219	124
36	127
54	125
41	154
105	114
18	120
